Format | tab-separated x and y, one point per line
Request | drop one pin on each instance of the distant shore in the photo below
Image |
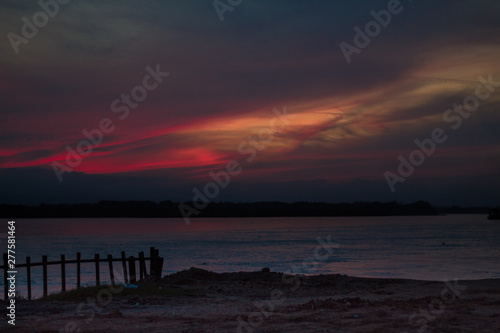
169	209
196	300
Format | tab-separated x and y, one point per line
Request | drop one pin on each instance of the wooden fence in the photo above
129	271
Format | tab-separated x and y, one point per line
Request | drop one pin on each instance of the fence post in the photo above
131	268
5	269
159	266
152	261
28	275
78	258
63	272
155	263
97	276
111	273
142	266
124	264
44	265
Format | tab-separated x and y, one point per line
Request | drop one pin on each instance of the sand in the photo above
273	302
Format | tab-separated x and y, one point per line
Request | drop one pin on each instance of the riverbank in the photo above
196	300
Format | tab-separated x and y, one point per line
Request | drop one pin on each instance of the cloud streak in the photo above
352	120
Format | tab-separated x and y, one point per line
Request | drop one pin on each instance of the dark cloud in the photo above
264	54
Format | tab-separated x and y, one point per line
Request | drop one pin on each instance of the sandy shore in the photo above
202	301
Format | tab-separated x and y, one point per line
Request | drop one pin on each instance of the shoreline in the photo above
197	300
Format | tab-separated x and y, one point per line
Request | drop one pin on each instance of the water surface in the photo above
416	247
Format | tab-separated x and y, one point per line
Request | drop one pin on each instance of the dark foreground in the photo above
200	301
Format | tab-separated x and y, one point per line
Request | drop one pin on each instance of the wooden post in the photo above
142	266
111	273
63	272
159	266
124	264
5	269
44	265
131	268
78	258
97	276
152	265
28	274
158	263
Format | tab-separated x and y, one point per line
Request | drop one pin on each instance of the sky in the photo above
250	101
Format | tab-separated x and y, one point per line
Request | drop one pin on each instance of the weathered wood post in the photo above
158	263
131	268
155	263
159	266
28	275
63	272
142	266
152	261
97	275
111	273
78	268
124	264
44	265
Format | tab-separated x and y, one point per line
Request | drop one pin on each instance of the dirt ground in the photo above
202	301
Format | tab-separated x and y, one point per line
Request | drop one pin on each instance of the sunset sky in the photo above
347	123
